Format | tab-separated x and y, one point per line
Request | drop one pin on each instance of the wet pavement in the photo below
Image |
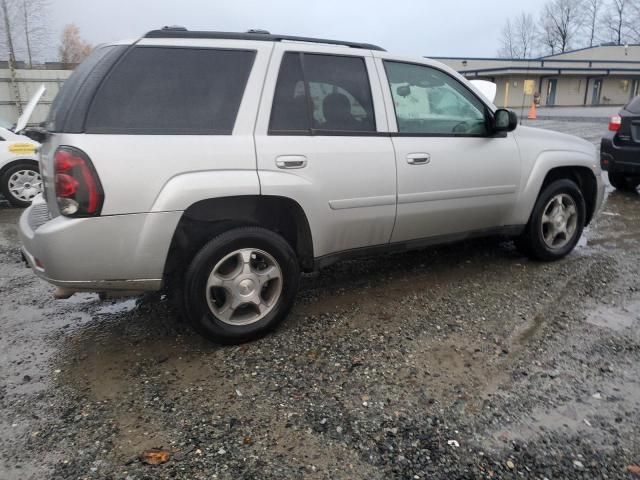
463	361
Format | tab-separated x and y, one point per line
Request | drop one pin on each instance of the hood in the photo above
28	110
545	140
488	89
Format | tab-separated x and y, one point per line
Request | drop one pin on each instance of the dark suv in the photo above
620	149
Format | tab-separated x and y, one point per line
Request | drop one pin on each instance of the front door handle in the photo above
291	161
418	158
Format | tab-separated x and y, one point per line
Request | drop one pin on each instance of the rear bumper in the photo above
120	252
619	158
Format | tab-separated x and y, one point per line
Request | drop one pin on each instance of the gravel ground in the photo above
465	361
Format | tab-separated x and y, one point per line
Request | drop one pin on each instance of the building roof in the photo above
601	52
601	60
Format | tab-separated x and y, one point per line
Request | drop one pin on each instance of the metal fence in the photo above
27	82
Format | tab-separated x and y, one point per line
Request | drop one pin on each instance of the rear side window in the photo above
157	90
68	110
320	94
634	105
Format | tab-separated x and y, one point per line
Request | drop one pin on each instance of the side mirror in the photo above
504	120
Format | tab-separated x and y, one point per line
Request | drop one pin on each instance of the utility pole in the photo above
12	58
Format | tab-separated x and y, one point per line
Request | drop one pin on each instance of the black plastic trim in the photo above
262	37
326	133
326	260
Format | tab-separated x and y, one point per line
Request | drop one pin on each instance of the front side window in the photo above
430	102
322	94
163	90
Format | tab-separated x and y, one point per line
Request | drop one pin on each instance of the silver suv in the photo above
220	165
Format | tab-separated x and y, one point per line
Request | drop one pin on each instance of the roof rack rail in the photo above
260	35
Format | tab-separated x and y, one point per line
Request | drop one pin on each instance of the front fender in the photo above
185	189
534	177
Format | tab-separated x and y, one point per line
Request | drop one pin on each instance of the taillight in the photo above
614	123
78	189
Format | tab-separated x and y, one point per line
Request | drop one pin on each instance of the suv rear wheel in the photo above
241	285
20	183
623	182
556	222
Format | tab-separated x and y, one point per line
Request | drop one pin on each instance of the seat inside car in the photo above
336	109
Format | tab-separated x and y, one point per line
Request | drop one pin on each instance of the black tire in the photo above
196	307
531	243
6	177
623	182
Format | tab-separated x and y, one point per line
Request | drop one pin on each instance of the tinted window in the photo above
634	105
172	91
290	110
73	97
431	102
332	92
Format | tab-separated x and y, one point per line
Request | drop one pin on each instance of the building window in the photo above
624	85
529	87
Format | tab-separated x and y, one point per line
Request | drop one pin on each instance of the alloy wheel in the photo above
559	221
244	286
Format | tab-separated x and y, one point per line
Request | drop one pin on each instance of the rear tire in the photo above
626	183
556	222
20	183
241	285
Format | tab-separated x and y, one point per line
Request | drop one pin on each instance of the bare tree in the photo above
24	28
548	36
560	22
592	17
526	32
34	21
73	49
633	23
518	37
8	29
507	41
615	21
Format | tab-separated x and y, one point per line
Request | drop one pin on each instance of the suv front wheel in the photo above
241	285
556	222
620	181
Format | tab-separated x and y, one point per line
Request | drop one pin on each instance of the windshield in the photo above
4	123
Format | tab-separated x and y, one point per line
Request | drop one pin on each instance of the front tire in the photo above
556	222
623	182
20	183
240	285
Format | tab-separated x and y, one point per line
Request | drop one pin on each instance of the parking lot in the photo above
463	361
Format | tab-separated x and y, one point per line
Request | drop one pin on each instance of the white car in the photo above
20	179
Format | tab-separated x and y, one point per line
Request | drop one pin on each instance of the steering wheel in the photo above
462	127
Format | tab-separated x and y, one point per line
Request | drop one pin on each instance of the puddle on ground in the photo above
9	226
615	318
122	306
589	415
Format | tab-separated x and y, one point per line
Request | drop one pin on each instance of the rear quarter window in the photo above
67	113
164	90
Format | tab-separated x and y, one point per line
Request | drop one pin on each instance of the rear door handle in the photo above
291	161
418	158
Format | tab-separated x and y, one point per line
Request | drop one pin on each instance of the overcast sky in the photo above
415	27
